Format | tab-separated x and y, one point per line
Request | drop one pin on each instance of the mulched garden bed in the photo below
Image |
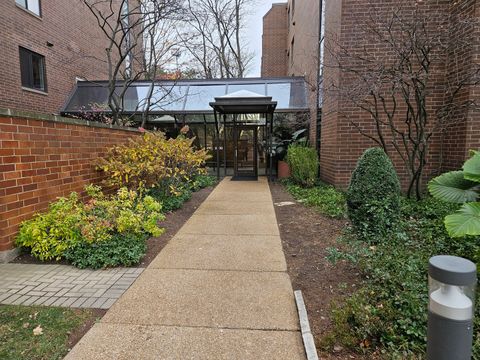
173	222
306	234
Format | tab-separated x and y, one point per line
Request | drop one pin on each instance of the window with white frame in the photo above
31	5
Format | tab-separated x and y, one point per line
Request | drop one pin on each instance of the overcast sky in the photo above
254	30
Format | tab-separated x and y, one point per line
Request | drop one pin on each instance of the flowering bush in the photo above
151	160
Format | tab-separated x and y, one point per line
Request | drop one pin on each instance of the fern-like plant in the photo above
461	187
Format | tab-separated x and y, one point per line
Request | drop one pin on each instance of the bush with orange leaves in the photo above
152	160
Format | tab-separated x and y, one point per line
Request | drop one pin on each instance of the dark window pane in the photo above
25	67
32	68
37	69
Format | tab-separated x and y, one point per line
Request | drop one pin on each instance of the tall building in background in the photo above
46	46
290	47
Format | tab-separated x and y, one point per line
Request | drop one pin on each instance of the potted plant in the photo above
281	147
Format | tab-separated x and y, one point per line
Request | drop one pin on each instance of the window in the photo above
32	68
292	50
31	5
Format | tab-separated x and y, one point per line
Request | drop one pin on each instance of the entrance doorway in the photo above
246	153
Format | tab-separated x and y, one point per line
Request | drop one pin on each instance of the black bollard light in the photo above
452	281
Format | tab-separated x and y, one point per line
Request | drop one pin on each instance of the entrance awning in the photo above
244	102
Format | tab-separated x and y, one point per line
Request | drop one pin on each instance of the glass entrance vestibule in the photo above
239	142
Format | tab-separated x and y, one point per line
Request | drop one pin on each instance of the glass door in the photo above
245	151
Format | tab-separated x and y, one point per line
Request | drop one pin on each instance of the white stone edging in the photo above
308	342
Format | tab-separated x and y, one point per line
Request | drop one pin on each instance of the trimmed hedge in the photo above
373	197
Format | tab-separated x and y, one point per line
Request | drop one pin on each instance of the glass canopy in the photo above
187	96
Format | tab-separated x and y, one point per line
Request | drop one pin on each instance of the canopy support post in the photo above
217	142
270	136
224	144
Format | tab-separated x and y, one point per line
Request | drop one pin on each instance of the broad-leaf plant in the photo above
461	187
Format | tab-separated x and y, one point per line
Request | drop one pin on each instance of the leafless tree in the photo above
213	37
131	28
393	76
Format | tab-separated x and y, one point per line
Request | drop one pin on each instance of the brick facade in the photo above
290	47
44	157
274	40
341	142
66	34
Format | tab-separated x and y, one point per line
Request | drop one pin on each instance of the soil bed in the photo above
306	234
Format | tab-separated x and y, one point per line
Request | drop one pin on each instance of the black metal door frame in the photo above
236	130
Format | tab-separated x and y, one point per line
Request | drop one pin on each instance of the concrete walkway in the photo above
218	290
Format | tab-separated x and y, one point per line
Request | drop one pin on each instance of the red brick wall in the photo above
41	160
274	41
78	51
341	142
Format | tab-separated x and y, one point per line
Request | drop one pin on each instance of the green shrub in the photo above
173	201
125	212
48	235
70	224
120	250
303	162
152	160
373	197
203	181
325	198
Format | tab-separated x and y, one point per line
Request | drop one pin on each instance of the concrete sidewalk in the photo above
218	290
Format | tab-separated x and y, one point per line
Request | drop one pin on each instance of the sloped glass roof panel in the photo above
256	88
281	93
199	96
187	96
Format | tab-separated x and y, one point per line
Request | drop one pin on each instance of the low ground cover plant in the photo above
390	309
323	197
303	162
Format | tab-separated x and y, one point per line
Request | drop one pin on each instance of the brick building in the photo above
290	47
340	143
46	46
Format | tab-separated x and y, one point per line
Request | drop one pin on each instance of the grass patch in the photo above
17	324
324	198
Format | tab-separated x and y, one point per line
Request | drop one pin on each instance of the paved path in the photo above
62	285
218	290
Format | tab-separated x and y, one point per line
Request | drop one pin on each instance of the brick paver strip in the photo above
62	285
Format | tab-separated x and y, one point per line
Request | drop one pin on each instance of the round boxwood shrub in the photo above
373	197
